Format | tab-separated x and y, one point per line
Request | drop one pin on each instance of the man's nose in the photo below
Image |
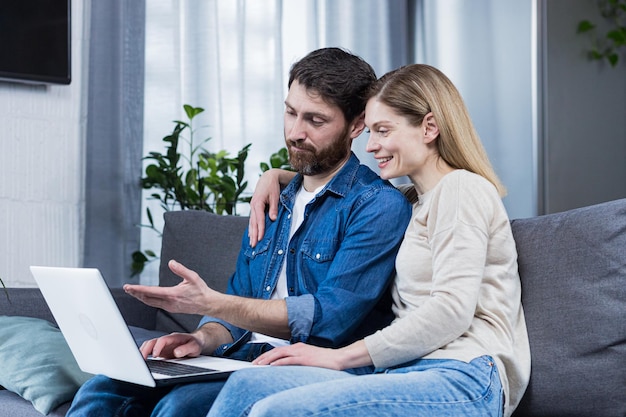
296	131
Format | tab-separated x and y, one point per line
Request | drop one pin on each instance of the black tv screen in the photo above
35	41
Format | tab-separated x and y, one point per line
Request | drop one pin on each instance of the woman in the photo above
458	345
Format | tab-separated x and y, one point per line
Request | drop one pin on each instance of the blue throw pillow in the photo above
37	363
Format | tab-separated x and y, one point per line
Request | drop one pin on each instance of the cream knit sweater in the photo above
457	290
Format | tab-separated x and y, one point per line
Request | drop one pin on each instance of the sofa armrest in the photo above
29	302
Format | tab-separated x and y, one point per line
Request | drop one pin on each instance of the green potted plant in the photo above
190	177
195	178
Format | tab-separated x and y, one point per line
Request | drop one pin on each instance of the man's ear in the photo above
430	128
357	126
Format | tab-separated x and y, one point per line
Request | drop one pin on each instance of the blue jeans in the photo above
425	387
105	397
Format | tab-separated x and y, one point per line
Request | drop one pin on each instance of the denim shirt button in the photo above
318	256
280	251
268	288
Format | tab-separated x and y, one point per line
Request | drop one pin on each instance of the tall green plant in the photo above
609	45
193	179
199	179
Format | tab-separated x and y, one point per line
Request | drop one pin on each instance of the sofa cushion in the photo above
36	362
204	242
573	271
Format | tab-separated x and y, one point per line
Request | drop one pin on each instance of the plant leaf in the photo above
595	54
149	213
617	36
585	26
192	111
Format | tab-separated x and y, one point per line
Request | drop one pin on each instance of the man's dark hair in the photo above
341	78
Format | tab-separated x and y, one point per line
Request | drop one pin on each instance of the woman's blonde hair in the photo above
415	90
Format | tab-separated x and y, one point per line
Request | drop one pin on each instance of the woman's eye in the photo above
379	131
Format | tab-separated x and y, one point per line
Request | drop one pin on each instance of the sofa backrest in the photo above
573	271
204	242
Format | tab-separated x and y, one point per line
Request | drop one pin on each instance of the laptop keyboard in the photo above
174	368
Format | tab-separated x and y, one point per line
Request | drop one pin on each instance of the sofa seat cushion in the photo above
36	362
573	271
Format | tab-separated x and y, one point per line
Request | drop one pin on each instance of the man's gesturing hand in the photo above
191	295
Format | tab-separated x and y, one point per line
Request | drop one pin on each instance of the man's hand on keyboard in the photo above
175	345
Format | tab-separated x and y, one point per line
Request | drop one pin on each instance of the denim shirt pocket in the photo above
317	258
258	259
260	249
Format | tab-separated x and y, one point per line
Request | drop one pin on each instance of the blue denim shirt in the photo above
339	262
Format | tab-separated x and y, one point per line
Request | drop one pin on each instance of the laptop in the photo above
100	340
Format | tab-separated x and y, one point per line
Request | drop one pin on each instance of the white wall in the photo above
41	167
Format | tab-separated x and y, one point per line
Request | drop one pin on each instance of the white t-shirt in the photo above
303	197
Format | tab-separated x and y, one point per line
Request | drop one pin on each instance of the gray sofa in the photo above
573	271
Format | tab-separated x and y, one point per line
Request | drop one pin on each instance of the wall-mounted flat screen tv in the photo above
35	41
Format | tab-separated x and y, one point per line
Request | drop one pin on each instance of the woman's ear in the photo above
431	130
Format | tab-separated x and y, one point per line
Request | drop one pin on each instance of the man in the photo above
320	269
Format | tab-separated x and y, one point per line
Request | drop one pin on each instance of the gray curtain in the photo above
114	137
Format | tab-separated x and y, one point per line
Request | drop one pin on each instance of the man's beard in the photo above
321	161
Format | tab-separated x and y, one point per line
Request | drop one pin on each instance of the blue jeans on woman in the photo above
425	387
